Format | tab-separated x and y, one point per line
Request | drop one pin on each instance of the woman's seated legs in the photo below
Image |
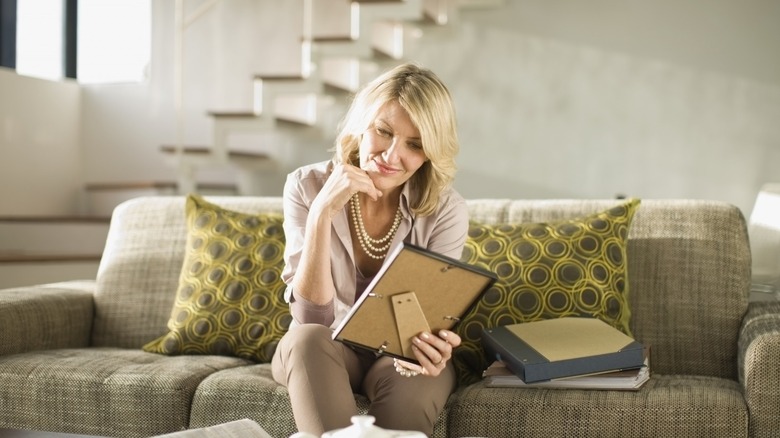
406	403
321	376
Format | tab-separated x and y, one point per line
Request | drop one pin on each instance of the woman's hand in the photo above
345	181
432	352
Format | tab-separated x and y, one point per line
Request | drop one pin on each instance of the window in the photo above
98	41
39	38
114	40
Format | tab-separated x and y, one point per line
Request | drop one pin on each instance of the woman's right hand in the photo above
343	182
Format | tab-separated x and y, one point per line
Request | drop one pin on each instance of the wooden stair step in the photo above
335	20
271	78
56	219
333	39
205	150
235	114
49	258
347	73
102	198
68	238
298	108
151	186
16	271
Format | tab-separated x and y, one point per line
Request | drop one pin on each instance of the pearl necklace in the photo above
370	245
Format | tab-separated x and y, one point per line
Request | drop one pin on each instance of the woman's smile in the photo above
384	168
391	150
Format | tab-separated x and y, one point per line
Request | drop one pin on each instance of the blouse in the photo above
443	232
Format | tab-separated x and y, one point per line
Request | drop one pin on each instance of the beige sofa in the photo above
71	358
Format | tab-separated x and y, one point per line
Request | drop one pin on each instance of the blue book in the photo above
562	347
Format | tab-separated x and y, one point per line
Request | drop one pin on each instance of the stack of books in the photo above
566	352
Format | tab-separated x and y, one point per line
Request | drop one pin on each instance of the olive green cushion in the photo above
574	267
230	298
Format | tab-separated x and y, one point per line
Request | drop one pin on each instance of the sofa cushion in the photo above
102	391
251	392
667	406
574	267
230	299
247	392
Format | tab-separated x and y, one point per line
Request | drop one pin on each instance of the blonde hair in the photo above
429	105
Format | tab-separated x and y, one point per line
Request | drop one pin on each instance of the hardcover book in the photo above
497	375
562	347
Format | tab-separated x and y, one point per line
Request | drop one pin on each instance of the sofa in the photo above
75	356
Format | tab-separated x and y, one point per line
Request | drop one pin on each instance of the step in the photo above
197	159
227	124
339	20
364	41
271	87
297	108
438	12
37	250
28	273
289	84
206	150
387	38
400	10
336	20
310	110
347	73
44	239
102	198
476	4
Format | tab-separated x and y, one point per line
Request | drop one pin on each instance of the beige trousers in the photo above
322	375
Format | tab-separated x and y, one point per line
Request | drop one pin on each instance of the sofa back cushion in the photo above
139	271
688	269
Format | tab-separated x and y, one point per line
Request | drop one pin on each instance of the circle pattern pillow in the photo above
230	298
546	270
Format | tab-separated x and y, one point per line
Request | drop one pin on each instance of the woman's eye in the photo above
383	132
415	146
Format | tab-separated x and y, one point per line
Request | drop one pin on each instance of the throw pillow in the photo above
230	298
546	270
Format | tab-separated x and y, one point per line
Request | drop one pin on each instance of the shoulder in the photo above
314	171
452	209
306	181
451	202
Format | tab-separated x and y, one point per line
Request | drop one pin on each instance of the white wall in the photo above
40	152
589	99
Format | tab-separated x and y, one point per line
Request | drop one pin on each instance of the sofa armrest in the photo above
759	357
48	316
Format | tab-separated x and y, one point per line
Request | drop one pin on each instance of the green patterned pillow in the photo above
546	270
230	299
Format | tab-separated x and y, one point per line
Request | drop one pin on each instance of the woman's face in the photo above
391	148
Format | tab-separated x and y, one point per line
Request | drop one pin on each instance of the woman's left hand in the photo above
432	352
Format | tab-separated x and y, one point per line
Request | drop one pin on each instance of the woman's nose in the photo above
390	154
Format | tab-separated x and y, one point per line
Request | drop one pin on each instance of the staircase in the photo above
343	44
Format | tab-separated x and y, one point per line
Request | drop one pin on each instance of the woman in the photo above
388	182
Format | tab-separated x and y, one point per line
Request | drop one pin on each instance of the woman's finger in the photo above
350	180
450	337
433	352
